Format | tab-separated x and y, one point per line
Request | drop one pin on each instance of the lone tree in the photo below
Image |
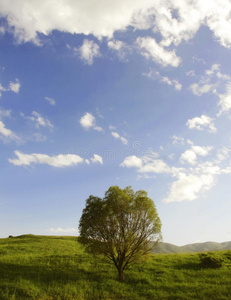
123	226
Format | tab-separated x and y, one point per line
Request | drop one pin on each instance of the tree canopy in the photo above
123	226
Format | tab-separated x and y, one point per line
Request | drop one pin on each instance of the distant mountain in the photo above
197	247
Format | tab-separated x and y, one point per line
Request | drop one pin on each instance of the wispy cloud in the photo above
50	100
156	75
39	120
7	134
225	100
121	48
117	136
60	230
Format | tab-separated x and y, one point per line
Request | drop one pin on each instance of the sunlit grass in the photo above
36	267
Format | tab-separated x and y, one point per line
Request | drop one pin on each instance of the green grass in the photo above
41	267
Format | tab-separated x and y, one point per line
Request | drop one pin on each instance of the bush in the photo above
209	260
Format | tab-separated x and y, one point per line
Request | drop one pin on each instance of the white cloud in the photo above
120	47
117	136
97	158
200	123
5	113
148	163
189	182
225	100
151	50
215	67
39	120
132	161
190	156
88	121
15	86
165	79
60	230
173	20
223	153
88	51
58	161
38	137
177	140
199	90
155	166
190	73
50	100
219	20
188	187
76	17
6	134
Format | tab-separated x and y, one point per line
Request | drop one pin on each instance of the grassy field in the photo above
39	267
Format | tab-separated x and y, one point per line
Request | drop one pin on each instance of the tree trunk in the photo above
121	275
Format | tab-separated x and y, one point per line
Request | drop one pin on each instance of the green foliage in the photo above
58	268
124	226
211	260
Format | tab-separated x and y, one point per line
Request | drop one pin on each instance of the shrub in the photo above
209	260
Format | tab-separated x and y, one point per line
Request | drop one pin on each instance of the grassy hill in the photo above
47	268
197	247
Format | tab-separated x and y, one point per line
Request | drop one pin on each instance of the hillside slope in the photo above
52	268
197	247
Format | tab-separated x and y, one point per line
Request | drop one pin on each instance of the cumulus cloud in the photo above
76	17
117	136
199	90
190	156
97	159
149	163
190	182
15	86
58	161
88	51
88	122
201	123
175	21
151	50
50	100
132	162
188	187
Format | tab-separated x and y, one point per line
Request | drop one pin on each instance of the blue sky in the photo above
132	93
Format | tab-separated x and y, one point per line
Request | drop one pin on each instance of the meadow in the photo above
47	268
